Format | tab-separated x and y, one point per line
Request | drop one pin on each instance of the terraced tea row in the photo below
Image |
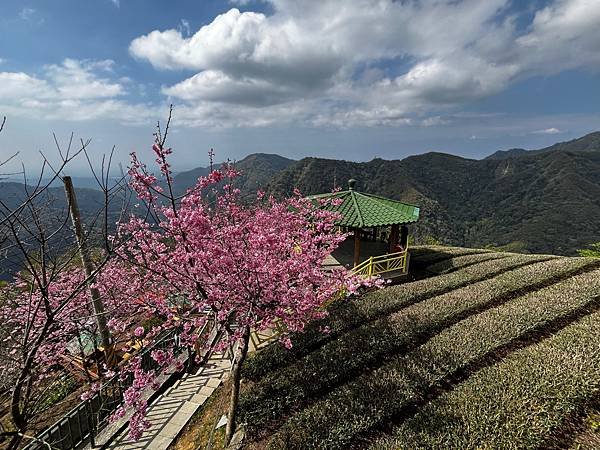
345	316
519	403
372	344
429	254
448	265
393	390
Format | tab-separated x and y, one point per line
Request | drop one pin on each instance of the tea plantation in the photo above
482	350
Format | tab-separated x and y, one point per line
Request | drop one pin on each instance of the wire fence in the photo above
90	417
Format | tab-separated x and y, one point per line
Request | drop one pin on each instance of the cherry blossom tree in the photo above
208	255
48	304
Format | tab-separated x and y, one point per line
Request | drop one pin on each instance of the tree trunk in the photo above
88	267
236	374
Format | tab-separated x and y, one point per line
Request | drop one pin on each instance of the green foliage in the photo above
534	390
374	343
57	390
375	397
424	255
431	240
592	252
451	264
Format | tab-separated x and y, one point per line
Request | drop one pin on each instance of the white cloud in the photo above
117	3
2	61
330	63
72	90
27	13
31	15
548	131
341	64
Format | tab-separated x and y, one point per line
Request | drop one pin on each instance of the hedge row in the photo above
372	344
345	316
520	403
374	398
426	259
459	262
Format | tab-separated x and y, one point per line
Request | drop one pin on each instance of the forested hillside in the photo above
543	201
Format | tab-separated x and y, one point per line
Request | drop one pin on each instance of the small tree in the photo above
48	304
592	252
209	255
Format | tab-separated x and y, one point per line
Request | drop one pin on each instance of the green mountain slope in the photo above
546	201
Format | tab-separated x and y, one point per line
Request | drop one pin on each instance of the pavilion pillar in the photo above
393	238
404	236
356	246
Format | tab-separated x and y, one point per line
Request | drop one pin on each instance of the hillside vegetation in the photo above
539	201
487	350
545	201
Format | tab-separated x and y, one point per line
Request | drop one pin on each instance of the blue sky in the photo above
341	79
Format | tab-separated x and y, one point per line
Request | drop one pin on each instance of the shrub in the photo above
440	253
519	403
373	344
448	265
376	397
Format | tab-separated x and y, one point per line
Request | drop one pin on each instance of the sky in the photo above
345	79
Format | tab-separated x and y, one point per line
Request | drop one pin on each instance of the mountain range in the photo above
542	201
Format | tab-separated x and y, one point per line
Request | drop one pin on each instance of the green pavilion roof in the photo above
360	210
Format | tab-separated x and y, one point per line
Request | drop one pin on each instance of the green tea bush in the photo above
374	398
374	343
458	262
345	316
517	404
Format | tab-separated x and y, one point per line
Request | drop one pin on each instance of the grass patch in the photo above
395	389
428	255
371	345
345	316
516	403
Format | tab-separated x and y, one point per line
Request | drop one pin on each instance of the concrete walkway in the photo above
170	412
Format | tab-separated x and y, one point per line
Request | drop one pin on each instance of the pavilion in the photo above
380	231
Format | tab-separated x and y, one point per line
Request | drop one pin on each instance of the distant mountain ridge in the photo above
545	200
588	143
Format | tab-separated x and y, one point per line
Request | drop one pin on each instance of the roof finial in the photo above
351	183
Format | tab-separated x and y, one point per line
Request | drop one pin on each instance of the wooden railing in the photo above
376	265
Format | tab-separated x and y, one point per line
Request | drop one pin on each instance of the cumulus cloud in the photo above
342	64
72	90
27	13
379	61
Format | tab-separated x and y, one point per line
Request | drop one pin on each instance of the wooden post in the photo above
393	238
88	267
356	246
404	236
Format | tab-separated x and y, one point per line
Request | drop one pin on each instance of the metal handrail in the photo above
376	265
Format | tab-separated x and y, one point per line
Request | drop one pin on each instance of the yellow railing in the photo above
376	265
